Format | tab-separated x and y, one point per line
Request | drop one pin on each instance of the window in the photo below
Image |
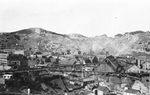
15	62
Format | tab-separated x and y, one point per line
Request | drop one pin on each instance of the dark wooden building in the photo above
17	61
109	64
114	64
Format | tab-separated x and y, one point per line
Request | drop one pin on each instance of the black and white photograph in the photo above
74	47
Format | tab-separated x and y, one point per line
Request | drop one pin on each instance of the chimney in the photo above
138	63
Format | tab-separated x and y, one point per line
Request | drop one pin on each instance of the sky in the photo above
86	17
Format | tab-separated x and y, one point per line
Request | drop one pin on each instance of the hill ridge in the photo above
39	39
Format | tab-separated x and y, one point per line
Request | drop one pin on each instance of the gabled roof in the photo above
94	59
85	58
115	80
143	56
131	66
4	55
146	63
127	67
138	85
104	89
127	60
113	63
70	61
132	91
104	68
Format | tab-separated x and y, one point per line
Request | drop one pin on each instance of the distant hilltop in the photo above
38	39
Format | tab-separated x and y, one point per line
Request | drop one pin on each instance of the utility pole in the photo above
3	66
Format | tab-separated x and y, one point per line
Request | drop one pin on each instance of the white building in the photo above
133	69
19	52
3	58
7	76
131	92
140	86
146	66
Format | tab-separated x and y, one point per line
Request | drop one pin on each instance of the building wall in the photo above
3	58
133	69
19	52
146	66
104	68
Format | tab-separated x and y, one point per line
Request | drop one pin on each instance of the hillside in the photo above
38	39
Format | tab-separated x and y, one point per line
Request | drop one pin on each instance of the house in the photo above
2	80
92	94
22	52
131	60
4	61
115	83
77	52
126	81
7	76
131	92
48	59
4	68
142	59
114	80
146	65
138	85
17	61
94	59
114	64
87	60
84	59
104	67
70	61
89	79
101	90
88	68
3	58
54	61
32	63
103	78
133	69
78	60
146	81
109	64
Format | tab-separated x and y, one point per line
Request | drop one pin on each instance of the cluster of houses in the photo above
101	64
120	84
143	47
